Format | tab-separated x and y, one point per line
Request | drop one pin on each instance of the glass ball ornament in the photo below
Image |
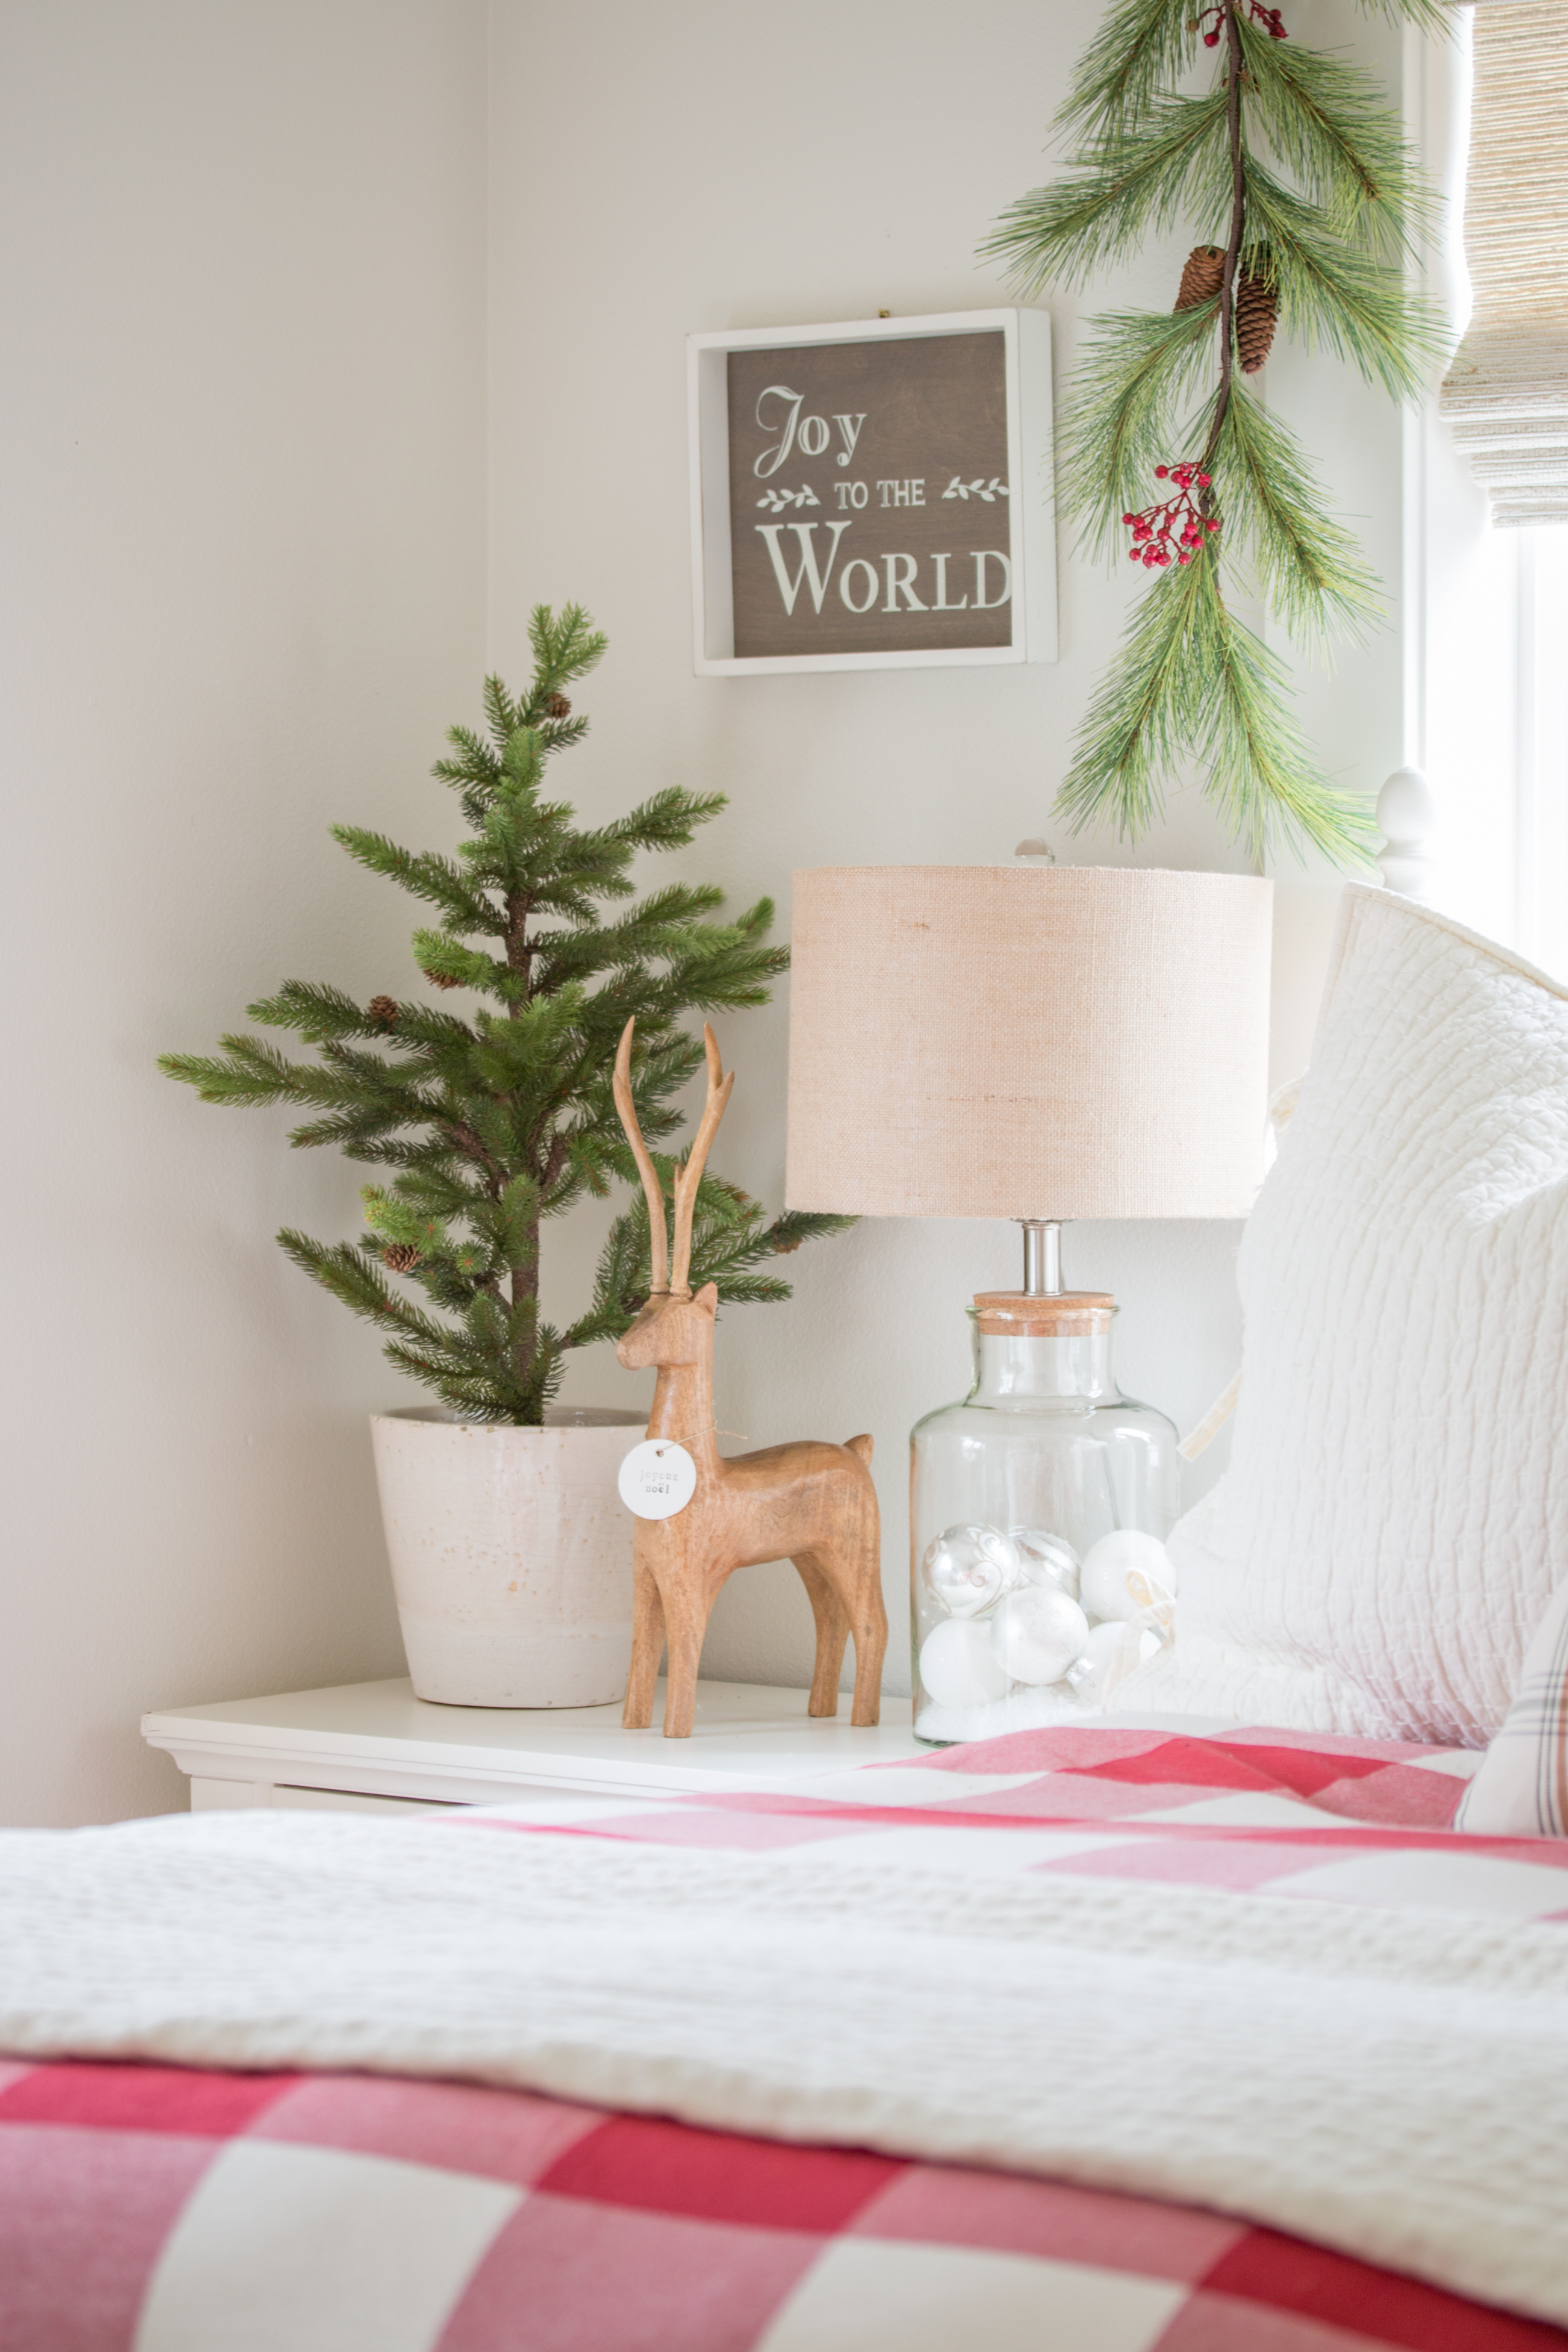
1046	1559
1092	1674
1038	1631
968	1566
1102	1585
959	1666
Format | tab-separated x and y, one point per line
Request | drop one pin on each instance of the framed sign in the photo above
874	495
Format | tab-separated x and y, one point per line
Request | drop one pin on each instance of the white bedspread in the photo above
1392	2084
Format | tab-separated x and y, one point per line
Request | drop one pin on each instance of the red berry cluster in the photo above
1178	528
1213	22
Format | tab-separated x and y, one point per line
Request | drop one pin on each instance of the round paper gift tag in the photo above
657	1478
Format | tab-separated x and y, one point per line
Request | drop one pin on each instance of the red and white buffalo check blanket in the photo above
173	2209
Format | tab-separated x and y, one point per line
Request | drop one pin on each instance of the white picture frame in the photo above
1026	339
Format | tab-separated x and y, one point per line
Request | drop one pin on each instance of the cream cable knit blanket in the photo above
1392	2084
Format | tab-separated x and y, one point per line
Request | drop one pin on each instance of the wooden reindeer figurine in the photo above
812	1503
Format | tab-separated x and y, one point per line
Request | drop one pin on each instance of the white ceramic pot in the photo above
512	1555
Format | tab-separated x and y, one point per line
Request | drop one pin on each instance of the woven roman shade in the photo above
1506	395
997	1041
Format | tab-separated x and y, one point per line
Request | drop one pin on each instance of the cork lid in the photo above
1069	1314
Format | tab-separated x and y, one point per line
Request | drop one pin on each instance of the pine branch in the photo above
425	875
1190	682
355	1279
668	821
1231	26
1310	567
250	1072
729	1237
1140	44
1327	125
1130	189
1259	774
317	1012
501	713
794	1226
566	645
1427	15
1139	722
447	962
1139	367
1336	297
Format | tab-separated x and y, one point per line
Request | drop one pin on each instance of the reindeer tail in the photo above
861	1446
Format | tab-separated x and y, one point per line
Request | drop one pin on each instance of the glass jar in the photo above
1039	1508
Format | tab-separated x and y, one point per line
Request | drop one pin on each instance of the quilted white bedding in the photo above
858	1970
1395	1519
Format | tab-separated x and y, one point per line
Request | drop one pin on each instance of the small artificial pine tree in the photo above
495	1123
1295	169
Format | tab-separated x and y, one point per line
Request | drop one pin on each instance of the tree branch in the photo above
1233	246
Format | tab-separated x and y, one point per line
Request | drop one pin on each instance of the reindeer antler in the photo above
658	1237
688	1178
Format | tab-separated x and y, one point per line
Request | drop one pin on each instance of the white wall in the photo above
243	278
241	273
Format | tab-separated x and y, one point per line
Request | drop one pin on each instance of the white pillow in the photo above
1522	1789
1396	1517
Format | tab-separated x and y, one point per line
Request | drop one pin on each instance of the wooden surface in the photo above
910	418
373	1746
811	1503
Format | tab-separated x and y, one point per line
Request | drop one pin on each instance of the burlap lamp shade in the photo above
1000	1041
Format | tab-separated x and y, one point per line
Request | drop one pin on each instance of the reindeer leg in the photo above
870	1637
854	1576
647	1647
685	1621
832	1633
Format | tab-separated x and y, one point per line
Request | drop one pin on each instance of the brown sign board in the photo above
874	495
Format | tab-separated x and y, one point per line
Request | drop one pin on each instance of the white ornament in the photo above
1038	1631
1111	1652
959	1666
967	1567
1103	1588
657	1478
1099	1654
1045	1559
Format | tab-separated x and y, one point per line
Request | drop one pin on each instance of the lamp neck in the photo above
1042	1346
1068	1367
1042	1257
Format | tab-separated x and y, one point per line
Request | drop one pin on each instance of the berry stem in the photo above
1179	528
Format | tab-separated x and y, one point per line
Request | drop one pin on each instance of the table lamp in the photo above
1040	1043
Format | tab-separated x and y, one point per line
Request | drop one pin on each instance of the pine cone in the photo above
558	706
383	1010
441	979
401	1256
1201	275
1257	312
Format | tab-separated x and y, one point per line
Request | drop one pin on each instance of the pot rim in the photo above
561	1420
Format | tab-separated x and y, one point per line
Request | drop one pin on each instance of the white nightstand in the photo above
374	1748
